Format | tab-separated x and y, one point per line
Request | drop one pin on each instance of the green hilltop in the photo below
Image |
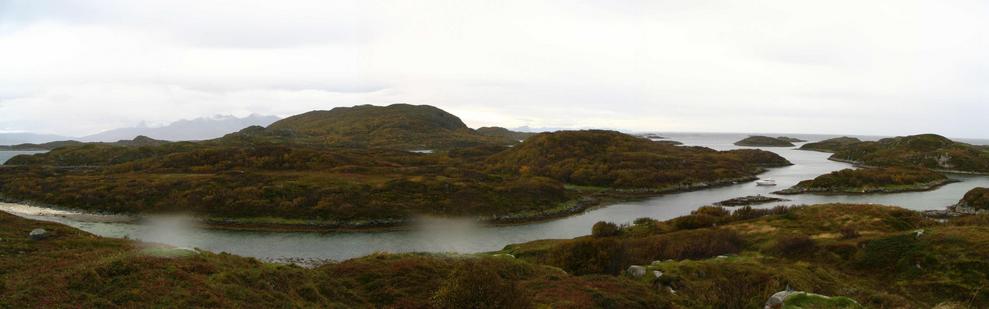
397	126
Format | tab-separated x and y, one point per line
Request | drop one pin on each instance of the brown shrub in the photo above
605	229
849	232
590	256
473	285
794	244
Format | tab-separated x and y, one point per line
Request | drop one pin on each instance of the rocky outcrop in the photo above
975	202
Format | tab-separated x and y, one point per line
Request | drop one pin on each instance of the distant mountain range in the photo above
185	130
26	138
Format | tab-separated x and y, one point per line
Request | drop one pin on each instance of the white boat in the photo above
765	182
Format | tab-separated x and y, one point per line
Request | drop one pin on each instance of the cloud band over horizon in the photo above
876	67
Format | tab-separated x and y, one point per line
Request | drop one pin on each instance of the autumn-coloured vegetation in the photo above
75	269
831	144
397	126
916	151
611	159
871	180
352	168
713	258
977	198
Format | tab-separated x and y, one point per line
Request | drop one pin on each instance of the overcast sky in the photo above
859	67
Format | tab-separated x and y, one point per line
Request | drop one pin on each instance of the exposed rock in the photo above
657	274
637	271
783	299
776	301
975	202
39	234
749	200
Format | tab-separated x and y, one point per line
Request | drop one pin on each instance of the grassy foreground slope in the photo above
880	256
711	259
76	269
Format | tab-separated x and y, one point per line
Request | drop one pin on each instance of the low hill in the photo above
613	159
72	153
397	126
40	147
925	151
763	141
503	133
871	180
831	145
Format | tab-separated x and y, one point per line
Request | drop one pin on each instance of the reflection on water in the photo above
436	235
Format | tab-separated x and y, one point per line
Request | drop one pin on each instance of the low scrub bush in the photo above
794	244
475	285
605	229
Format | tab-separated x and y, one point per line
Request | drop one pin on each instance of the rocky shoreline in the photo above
749	200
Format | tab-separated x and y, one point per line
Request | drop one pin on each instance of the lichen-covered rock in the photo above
636	271
798	299
39	234
776	301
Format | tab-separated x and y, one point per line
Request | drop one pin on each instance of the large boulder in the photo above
637	271
38	234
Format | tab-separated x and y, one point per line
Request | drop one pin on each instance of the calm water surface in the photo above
467	237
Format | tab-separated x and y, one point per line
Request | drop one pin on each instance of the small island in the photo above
790	139
871	180
831	144
763	141
651	136
749	200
